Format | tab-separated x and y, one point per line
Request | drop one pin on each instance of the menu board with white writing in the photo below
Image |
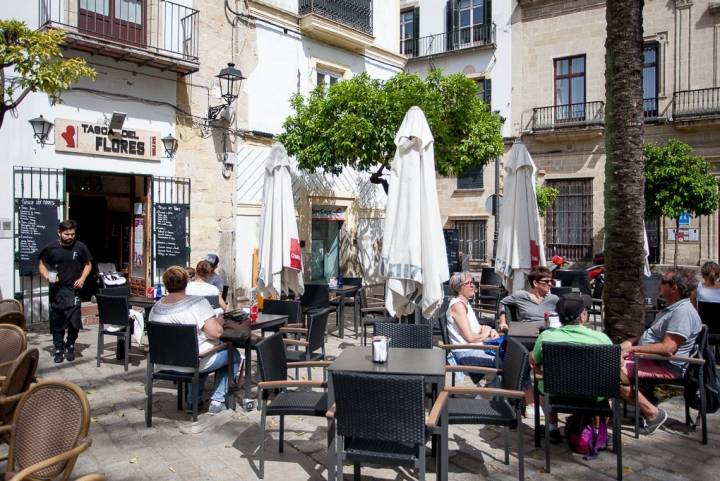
37	226
171	235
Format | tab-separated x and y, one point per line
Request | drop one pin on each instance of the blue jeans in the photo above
474	357
221	377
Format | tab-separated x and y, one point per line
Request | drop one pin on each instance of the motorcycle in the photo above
596	271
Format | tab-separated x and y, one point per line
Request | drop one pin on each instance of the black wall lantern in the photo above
41	129
230	82
170	143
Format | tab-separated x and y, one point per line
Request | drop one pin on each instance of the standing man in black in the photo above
65	264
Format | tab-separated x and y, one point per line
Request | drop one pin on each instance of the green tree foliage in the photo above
677	181
546	195
353	123
38	64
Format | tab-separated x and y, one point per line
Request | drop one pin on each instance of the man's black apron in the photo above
64	308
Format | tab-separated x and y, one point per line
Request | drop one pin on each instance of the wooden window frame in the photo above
568	112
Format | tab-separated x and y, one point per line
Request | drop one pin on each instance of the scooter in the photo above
596	271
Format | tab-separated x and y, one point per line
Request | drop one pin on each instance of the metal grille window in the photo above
568	223
472	238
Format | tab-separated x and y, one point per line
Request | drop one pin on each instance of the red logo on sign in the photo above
534	254
295	259
69	136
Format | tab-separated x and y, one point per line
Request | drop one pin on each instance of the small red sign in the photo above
295	255
534	254
70	136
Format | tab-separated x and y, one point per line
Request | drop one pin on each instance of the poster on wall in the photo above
37	223
684	234
171	235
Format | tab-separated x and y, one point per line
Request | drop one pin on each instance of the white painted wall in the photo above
493	63
286	66
153	111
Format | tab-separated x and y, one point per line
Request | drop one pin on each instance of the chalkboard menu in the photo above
171	235
37	226
452	247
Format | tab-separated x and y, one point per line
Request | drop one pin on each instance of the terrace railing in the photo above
696	103
454	40
159	26
356	14
568	116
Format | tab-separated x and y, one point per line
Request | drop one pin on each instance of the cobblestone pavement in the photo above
222	447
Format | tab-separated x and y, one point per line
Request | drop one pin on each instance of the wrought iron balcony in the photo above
464	38
356	14
157	33
651	108
581	115
696	103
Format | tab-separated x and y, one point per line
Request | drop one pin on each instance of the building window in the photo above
650	79
485	91
570	89
327	78
122	20
568	222
409	31
471	178
468	22
471	235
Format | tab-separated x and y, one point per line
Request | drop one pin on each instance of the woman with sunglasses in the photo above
463	326
533	304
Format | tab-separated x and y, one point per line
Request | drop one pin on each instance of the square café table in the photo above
429	363
240	337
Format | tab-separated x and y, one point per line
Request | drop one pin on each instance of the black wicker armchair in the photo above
414	336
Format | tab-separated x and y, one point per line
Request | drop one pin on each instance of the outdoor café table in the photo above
239	336
429	363
526	332
146	303
343	292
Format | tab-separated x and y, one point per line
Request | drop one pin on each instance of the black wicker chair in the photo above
414	336
292	309
710	315
115	291
573	278
575	377
177	345
275	398
504	409
372	311
314	342
693	378
114	311
380	419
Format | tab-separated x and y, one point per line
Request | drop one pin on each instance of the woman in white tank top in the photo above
463	326
709	289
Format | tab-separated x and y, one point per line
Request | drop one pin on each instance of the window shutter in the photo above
416	30
450	21
488	12
487	92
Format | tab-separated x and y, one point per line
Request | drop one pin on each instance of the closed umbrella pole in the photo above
413	254
280	259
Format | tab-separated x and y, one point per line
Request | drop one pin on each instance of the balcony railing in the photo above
568	116
158	26
477	36
696	103
650	108
356	14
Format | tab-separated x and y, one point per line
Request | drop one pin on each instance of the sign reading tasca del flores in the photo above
99	139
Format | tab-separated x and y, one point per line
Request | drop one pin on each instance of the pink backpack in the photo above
582	436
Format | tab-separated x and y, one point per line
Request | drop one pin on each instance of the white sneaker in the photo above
530	412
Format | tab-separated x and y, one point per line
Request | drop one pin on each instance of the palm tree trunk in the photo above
624	169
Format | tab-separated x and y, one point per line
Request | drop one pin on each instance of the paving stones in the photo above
224	447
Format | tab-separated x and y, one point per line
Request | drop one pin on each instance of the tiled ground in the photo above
222	447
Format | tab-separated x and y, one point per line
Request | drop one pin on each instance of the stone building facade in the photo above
558	111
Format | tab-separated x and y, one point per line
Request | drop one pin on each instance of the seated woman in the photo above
571	310
531	305
709	289
463	326
201	287
179	308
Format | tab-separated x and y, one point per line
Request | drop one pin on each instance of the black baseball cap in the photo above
570	306
213	259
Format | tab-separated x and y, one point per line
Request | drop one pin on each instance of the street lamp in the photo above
41	129
170	143
230	81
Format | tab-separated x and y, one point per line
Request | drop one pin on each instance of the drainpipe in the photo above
496	208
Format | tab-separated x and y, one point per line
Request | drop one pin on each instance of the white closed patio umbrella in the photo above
280	258
414	261
520	244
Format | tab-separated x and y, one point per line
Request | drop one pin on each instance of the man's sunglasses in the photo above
545	281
